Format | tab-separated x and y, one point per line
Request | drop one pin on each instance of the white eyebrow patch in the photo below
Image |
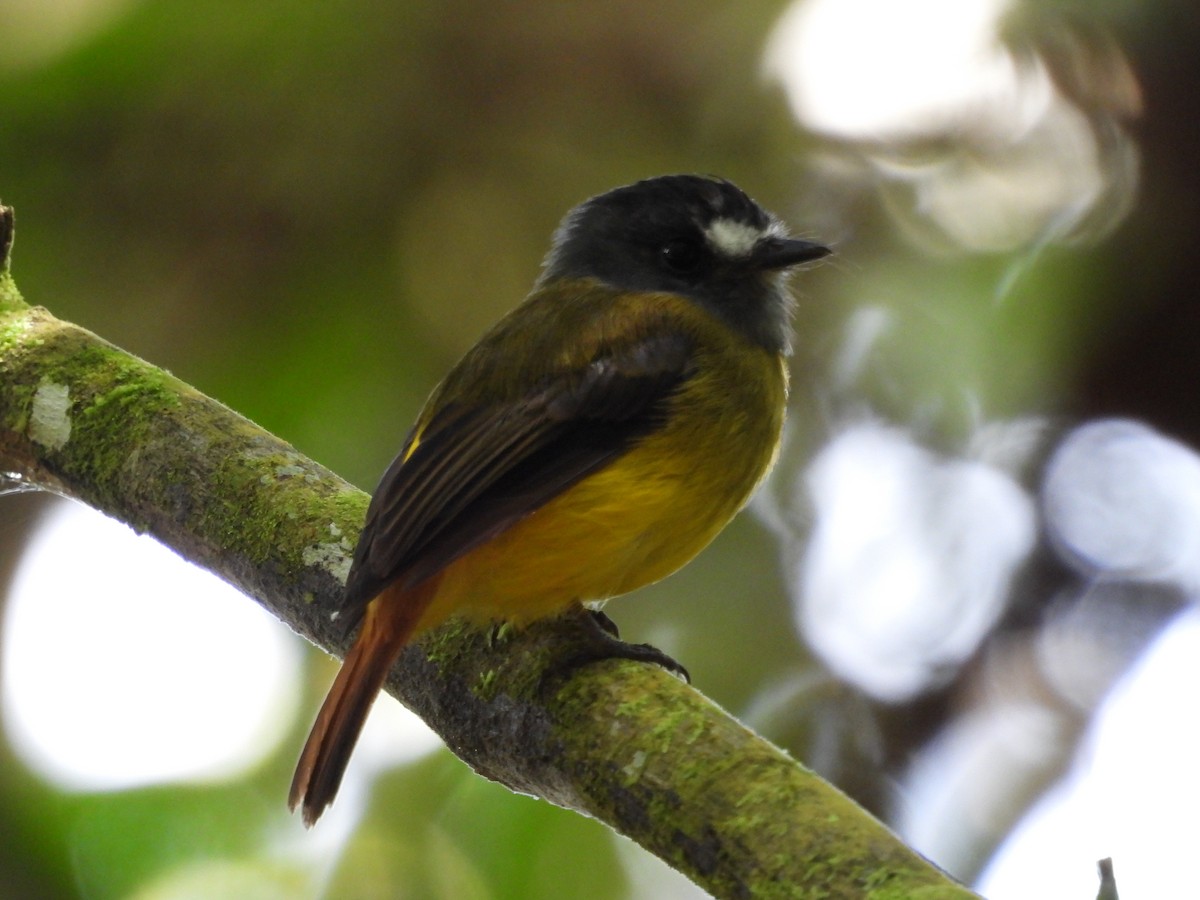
732	239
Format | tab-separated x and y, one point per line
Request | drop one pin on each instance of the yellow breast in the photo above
646	514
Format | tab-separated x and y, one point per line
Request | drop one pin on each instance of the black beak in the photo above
772	253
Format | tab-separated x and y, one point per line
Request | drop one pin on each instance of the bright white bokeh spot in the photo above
972	141
971	775
910	558
866	69
124	665
649	878
1122	500
1131	796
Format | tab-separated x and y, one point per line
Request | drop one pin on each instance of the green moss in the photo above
349	509
18	401
15	326
10	298
133	396
251	524
127	417
443	645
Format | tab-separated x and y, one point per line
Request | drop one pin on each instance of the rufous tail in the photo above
387	626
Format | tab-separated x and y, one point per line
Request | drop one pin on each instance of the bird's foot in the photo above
602	641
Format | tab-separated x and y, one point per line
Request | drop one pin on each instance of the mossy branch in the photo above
624	742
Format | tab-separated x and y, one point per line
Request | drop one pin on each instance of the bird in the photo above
593	441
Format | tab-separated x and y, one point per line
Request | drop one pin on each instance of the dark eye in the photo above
683	257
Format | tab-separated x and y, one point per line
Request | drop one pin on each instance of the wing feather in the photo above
477	471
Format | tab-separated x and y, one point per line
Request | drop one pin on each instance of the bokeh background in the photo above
965	596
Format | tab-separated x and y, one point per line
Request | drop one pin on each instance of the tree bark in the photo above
622	741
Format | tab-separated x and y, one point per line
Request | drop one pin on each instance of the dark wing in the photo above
475	472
